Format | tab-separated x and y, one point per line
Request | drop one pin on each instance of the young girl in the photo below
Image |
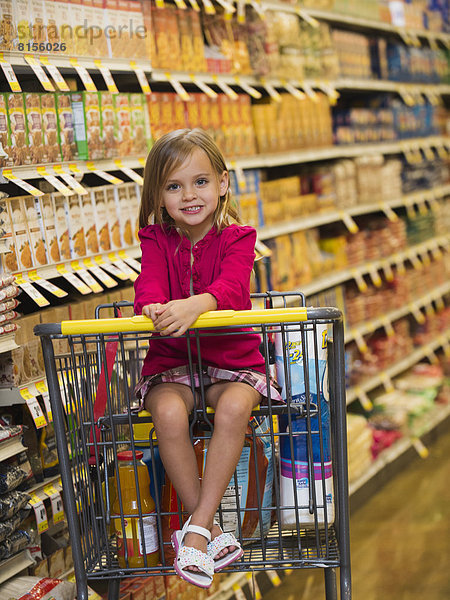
196	258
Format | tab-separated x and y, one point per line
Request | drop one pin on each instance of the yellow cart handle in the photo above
213	318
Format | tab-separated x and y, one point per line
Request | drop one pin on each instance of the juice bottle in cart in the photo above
129	533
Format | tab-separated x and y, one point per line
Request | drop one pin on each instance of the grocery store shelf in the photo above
14	565
379	379
11	447
10	396
7	343
335	278
62	61
388	456
390	317
317	219
39	487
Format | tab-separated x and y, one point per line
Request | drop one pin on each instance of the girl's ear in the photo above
223	183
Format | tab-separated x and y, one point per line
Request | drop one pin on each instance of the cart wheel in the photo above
113	589
330	584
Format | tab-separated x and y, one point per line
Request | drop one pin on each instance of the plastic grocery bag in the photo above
35	588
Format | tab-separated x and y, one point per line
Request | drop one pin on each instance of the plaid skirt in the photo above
211	375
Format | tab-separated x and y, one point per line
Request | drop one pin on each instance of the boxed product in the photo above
66	136
108	124
113	217
61	226
35	231
90	225
100	45
86	118
123	124
21	236
18	129
64	24
50	127
47	217
76	221
9	254
140	124
101	218
154	113
6	157
37	148
125	212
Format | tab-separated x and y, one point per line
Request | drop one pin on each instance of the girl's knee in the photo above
168	410
232	409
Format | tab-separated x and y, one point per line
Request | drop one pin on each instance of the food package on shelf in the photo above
359	442
38	589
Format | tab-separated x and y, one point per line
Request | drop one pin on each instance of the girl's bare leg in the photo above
233	403
170	405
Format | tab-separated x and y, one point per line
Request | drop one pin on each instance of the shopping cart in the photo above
283	519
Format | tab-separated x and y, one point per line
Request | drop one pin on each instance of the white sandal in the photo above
222	541
186	557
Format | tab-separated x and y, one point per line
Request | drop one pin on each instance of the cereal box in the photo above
65	25
62	226
22	20
36	236
139	125
7	26
166	108
86	118
52	28
37	23
8	254
101	218
108	124
50	127
113	217
48	218
18	129
77	18
6	157
76	227
154	112
149	39
66	135
100	47
37	148
123	124
90	226
126	216
22	243
112	20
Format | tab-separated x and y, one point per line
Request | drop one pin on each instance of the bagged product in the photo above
298	468
38	589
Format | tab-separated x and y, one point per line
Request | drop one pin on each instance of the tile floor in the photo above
400	538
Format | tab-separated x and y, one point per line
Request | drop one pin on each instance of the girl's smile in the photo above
191	195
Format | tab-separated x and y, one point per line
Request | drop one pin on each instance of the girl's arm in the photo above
152	284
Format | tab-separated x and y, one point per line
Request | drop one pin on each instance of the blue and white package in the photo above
296	466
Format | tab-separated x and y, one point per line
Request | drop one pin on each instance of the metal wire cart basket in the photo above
288	499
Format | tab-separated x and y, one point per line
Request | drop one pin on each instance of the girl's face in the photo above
191	194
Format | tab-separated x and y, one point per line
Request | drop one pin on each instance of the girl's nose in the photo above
189	194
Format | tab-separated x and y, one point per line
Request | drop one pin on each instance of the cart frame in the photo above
101	331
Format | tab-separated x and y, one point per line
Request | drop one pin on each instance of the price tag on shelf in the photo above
103	174
387	382
86	277
270	90
40	513
134	264
54	181
390	214
56	502
307	88
254	587
375	277
79	285
348	222
288	571
399	264
47	285
229	8
360	341
436	252
99	273
251	91
274	578
241	11
110	268
48	407
123	266
415	261
428	152
142	78
429	310
84	75
41	387
419	447
70	180
306	17
238	593
55	74
39	72
362	285
293	90
9	74
129	172
177	86
445	346
209	7
423	209
106	74
225	88
387	325
34	408
31	291
430	354
329	90
159	3
425	257
366	403
440	305
202	86
417	313
181	4
387	270
442	151
194	5
9	175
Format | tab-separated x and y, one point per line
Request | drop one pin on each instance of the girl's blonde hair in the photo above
168	153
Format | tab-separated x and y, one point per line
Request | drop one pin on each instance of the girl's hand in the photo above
153	311
175	317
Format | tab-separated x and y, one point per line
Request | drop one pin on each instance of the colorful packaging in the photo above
34	229
295	471
86	119
5	136
90	227
113	217
123	124
61	225
50	127
101	218
76	222
108	124
9	253
37	148
139	125
66	136
46	210
18	129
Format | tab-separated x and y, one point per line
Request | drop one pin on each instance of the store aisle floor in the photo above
400	538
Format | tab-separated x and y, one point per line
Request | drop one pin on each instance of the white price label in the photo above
39	72
40	513
225	88
9	74
104	277
34	294
84	75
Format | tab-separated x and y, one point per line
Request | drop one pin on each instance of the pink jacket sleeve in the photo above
152	284
232	287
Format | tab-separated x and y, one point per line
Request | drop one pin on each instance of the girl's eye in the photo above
202	181
172	187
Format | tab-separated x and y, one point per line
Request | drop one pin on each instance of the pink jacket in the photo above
222	266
